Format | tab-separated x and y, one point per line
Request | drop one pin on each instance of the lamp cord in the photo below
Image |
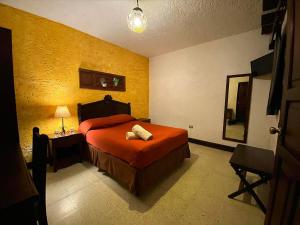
137	3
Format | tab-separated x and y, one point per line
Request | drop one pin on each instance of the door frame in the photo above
239	85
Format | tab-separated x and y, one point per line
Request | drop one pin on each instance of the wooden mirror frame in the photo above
248	108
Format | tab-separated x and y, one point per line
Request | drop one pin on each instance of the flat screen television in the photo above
262	65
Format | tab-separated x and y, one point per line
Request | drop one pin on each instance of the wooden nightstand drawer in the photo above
67	141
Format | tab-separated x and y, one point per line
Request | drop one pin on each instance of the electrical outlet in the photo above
191	126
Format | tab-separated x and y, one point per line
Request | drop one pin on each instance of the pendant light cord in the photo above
137	3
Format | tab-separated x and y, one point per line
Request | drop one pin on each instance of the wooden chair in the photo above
39	168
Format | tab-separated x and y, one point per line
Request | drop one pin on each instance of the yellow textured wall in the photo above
47	56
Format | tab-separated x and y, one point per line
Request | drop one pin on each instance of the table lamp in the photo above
62	112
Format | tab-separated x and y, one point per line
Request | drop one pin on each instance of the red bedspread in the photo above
137	153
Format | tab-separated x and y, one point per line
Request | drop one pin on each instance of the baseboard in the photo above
212	145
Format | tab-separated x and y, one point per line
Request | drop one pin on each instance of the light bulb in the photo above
136	20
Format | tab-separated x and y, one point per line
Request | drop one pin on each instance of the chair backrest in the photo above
39	169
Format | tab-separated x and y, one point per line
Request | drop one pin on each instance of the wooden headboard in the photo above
106	107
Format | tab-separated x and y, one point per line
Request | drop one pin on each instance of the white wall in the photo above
259	123
188	87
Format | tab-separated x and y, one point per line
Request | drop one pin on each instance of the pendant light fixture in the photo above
136	19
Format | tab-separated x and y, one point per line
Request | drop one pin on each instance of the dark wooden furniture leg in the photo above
249	188
54	159
242	185
39	169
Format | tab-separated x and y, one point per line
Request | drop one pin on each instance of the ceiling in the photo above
172	24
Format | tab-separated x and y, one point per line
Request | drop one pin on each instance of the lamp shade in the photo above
62	112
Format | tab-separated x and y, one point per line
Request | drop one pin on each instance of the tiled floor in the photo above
196	194
235	131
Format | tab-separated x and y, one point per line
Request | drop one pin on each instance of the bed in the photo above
135	164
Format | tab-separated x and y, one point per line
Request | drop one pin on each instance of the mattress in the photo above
137	153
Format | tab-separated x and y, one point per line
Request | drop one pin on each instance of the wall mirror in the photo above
237	107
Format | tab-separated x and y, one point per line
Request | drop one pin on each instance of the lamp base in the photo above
62	126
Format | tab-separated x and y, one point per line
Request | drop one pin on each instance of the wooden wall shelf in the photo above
90	79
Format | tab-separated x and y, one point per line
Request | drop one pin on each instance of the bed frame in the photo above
106	107
135	180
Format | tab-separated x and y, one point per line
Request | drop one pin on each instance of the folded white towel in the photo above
141	132
131	136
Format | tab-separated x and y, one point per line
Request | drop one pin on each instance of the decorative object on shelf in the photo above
90	79
116	81
62	112
136	19
103	82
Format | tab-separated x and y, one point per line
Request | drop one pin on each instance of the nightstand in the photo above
146	120
65	150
